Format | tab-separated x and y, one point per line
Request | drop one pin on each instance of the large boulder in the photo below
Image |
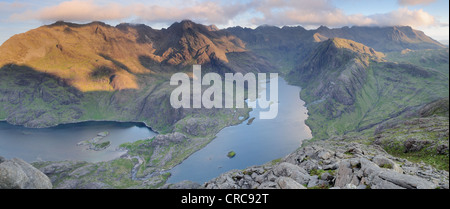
18	174
363	172
415	145
288	183
384	162
297	173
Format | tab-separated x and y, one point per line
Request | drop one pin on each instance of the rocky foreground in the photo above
333	165
320	165
18	174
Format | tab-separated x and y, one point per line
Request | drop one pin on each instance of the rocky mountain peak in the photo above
212	28
322	28
355	47
76	25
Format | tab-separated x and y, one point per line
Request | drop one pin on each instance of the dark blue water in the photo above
255	144
60	143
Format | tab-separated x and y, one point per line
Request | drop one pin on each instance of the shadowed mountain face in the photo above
356	82
336	69
383	39
351	88
110	66
97	56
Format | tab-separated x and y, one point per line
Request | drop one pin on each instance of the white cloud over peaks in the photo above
8	7
321	12
75	10
403	16
414	2
157	11
207	12
256	12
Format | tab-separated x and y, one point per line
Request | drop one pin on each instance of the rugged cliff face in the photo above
350	87
64	73
336	69
99	57
384	39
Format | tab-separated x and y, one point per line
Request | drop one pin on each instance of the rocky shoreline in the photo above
319	165
84	121
94	143
331	165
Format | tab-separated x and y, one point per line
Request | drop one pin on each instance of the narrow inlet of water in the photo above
254	144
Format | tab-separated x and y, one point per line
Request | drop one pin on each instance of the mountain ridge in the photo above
66	73
97	56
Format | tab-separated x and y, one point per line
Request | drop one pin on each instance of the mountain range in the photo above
354	79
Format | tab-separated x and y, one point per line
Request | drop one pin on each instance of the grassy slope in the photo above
431	130
394	94
387	92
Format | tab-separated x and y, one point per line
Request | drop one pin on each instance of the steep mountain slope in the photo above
287	46
350	88
421	136
384	39
67	72
283	47
336	70
99	57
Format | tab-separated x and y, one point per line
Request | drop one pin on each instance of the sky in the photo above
430	16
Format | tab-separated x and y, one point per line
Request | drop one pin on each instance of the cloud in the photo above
207	12
8	7
414	2
256	12
321	12
76	10
403	16
89	10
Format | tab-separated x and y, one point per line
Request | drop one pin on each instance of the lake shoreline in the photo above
61	143
85	121
265	146
197	148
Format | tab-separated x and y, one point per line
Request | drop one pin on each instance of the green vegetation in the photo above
349	89
319	172
387	166
276	161
321	186
419	139
102	145
429	157
389	91
433	59
231	154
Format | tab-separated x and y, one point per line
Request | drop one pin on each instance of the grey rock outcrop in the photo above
336	165
182	185
297	173
164	140
18	174
288	183
363	172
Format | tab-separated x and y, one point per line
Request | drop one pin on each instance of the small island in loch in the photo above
231	154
